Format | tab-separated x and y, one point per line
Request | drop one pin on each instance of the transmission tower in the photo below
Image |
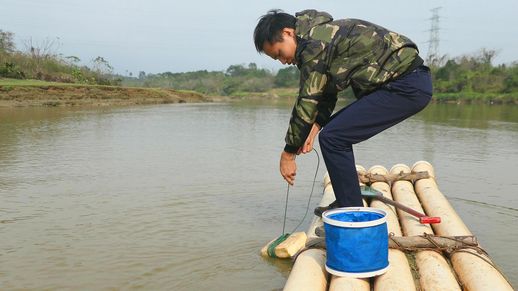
433	58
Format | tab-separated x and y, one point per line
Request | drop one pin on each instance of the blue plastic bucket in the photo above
356	241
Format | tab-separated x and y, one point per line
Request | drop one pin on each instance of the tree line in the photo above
475	74
463	76
235	80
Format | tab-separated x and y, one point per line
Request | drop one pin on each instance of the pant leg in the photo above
363	119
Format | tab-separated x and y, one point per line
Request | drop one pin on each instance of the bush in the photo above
10	70
43	64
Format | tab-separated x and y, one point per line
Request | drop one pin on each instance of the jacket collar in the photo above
308	19
308	48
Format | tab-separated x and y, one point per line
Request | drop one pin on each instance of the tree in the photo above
100	65
6	42
487	56
287	77
236	70
73	60
141	75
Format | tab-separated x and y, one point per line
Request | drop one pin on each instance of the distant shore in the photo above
27	93
476	98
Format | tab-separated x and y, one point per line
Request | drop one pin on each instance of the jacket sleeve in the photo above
325	108
306	109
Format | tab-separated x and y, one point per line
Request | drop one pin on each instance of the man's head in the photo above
275	36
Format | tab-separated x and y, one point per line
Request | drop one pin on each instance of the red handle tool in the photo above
423	219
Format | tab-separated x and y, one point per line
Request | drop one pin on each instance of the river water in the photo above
182	197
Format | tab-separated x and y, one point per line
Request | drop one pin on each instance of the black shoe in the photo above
319	210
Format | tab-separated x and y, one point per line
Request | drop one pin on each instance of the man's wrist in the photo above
291	149
287	156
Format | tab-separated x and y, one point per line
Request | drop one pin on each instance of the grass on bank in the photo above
6	82
271	93
19	93
7	85
18	82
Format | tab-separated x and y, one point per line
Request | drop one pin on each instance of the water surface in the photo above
182	197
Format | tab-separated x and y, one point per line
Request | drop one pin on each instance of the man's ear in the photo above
288	31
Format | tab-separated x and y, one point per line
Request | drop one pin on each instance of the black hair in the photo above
270	27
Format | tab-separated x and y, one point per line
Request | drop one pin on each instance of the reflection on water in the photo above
183	196
470	115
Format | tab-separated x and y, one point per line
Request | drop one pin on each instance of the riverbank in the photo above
476	98
454	98
25	93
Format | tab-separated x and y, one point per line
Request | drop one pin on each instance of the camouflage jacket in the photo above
332	55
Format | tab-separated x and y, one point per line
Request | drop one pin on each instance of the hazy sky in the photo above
168	35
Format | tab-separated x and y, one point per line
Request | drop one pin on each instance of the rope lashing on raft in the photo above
461	244
369	178
464	247
419	243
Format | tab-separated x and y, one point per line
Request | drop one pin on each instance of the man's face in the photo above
283	50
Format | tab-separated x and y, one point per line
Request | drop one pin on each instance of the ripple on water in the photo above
184	197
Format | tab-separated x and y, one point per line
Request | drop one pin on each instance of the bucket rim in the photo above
354	224
357	274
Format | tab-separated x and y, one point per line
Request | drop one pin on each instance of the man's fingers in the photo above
307	149
290	178
288	167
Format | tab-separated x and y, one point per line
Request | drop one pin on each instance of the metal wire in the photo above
285	209
309	199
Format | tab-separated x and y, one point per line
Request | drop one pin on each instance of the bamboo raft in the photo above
444	256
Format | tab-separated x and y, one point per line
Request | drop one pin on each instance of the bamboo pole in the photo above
313	266
349	284
308	272
435	204
361	171
475	270
310	263
398	275
341	283
392	219
434	271
327	198
288	248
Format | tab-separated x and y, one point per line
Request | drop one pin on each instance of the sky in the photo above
156	36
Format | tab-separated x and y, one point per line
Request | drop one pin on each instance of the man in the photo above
382	67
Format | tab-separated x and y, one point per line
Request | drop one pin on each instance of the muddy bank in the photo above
90	95
48	95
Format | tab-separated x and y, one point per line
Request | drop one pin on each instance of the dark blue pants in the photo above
364	118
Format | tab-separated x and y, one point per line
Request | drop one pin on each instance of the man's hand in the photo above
288	167
308	144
